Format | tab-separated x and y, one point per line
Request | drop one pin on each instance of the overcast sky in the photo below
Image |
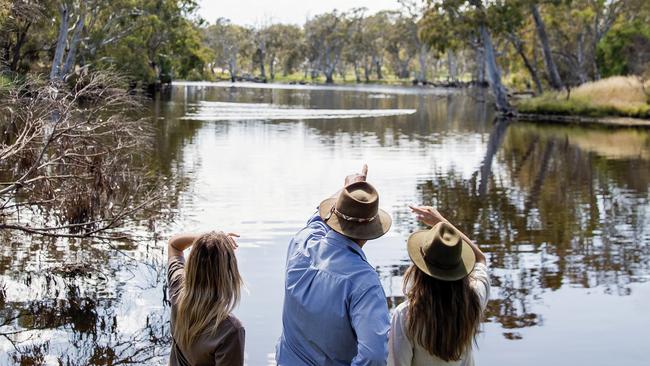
252	12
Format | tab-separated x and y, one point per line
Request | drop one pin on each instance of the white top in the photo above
403	352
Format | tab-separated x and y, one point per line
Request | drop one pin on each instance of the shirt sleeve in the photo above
400	348
315	229
370	320
316	226
175	277
480	281
231	348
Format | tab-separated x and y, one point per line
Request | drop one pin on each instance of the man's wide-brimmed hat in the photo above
441	253
355	213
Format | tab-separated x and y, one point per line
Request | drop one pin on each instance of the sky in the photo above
254	12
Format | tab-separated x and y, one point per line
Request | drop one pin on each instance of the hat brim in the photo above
464	268
355	230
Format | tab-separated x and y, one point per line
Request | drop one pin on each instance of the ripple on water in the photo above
226	111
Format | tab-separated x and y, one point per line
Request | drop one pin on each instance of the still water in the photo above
562	212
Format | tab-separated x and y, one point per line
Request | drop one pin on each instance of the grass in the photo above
624	96
6	83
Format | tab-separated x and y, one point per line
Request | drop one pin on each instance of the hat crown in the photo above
358	200
443	246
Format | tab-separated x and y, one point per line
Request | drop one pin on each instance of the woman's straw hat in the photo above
355	212
441	253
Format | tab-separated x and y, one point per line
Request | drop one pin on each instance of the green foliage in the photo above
151	41
625	49
231	45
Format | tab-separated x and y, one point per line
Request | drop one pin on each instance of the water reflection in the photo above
556	208
552	214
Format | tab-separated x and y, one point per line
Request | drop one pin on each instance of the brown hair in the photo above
443	316
212	288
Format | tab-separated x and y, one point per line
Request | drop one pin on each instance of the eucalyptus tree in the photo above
415	10
576	29
378	27
401	45
368	36
281	44
260	38
467	19
551	68
230	43
356	50
25	29
509	20
147	40
326	35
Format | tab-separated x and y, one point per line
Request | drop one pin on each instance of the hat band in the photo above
438	264
346	217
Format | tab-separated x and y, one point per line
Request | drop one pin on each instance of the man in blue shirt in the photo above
335	310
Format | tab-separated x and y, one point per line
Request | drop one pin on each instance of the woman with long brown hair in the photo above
446	289
203	292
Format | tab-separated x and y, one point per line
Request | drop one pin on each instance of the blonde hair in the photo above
212	288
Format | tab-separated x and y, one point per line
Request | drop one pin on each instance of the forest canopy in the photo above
537	45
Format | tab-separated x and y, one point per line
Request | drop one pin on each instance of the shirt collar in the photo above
343	241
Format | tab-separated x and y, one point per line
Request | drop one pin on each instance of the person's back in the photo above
446	288
405	352
203	293
335	310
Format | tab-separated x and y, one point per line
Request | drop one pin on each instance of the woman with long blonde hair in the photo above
203	292
446	288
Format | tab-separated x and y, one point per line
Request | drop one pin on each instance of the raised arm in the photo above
179	242
430	216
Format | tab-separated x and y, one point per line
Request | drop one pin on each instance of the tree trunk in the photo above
494	74
357	74
378	68
422	59
404	69
367	67
21	38
74	45
580	56
329	79
451	67
519	47
262	70
232	67
272	67
551	69
480	64
62	38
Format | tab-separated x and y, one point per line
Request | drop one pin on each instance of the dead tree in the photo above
72	160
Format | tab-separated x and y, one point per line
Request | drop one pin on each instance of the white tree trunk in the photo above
422	61
71	57
451	66
551	69
494	74
56	72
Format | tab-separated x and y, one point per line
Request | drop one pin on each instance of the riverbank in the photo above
611	121
600	101
299	78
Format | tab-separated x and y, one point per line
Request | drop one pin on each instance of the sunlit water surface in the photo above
562	213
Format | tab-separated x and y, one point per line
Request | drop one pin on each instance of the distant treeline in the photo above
526	44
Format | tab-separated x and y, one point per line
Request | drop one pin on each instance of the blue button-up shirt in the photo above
335	310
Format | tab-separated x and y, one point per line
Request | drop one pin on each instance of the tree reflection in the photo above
549	214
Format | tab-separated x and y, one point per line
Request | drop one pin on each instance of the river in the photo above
562	213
